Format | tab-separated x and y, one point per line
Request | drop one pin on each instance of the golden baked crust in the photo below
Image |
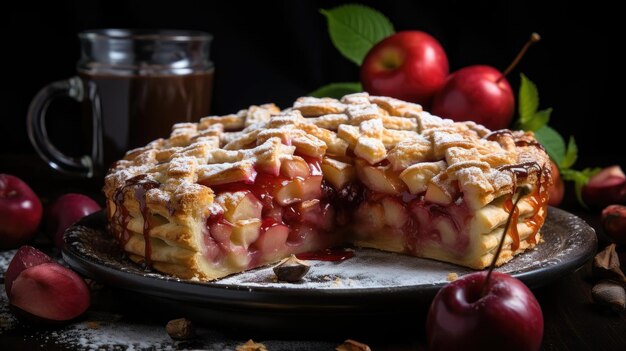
425	186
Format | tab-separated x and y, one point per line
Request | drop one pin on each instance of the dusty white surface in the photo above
367	269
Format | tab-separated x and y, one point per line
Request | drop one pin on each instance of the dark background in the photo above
278	51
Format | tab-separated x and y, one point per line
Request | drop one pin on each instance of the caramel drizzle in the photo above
538	200
141	184
512	229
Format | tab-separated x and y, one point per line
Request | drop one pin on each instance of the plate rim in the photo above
167	286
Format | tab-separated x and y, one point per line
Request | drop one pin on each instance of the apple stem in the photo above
534	37
523	191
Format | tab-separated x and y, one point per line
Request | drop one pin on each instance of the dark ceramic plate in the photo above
371	283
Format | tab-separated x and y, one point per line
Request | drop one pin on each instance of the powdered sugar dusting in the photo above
109	331
106	331
367	269
7	320
5	259
372	127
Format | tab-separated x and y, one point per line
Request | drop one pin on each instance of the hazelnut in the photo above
610	294
291	269
180	329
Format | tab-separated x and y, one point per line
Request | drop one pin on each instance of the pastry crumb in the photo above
352	345
250	345
93	325
180	329
452	276
338	282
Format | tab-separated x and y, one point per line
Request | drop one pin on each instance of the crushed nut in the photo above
250	345
93	325
352	345
452	276
291	269
180	329
610	294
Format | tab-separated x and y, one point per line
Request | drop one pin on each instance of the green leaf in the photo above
580	178
571	154
540	119
553	142
355	29
528	100
337	90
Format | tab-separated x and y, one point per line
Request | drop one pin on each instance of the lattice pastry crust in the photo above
234	192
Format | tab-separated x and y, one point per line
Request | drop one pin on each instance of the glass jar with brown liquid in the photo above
133	86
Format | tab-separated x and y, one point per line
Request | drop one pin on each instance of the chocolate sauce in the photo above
121	217
493	136
136	109
529	143
522	170
141	184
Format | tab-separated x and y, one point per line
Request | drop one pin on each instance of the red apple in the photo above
614	223
41	290
506	317
557	190
409	65
605	188
20	212
476	93
480	93
49	292
66	210
25	257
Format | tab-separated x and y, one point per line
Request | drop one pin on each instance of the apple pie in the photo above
234	192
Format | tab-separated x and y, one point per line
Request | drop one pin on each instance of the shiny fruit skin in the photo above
20	212
614	223
408	65
508	317
25	257
474	94
605	188
65	211
49	292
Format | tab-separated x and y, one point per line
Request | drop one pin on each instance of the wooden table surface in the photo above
572	320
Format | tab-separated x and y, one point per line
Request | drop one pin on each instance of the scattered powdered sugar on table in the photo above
7	320
5	259
106	331
109	333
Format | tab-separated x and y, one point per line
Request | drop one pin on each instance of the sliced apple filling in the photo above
235	192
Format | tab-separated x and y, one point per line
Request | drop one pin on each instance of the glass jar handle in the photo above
36	124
